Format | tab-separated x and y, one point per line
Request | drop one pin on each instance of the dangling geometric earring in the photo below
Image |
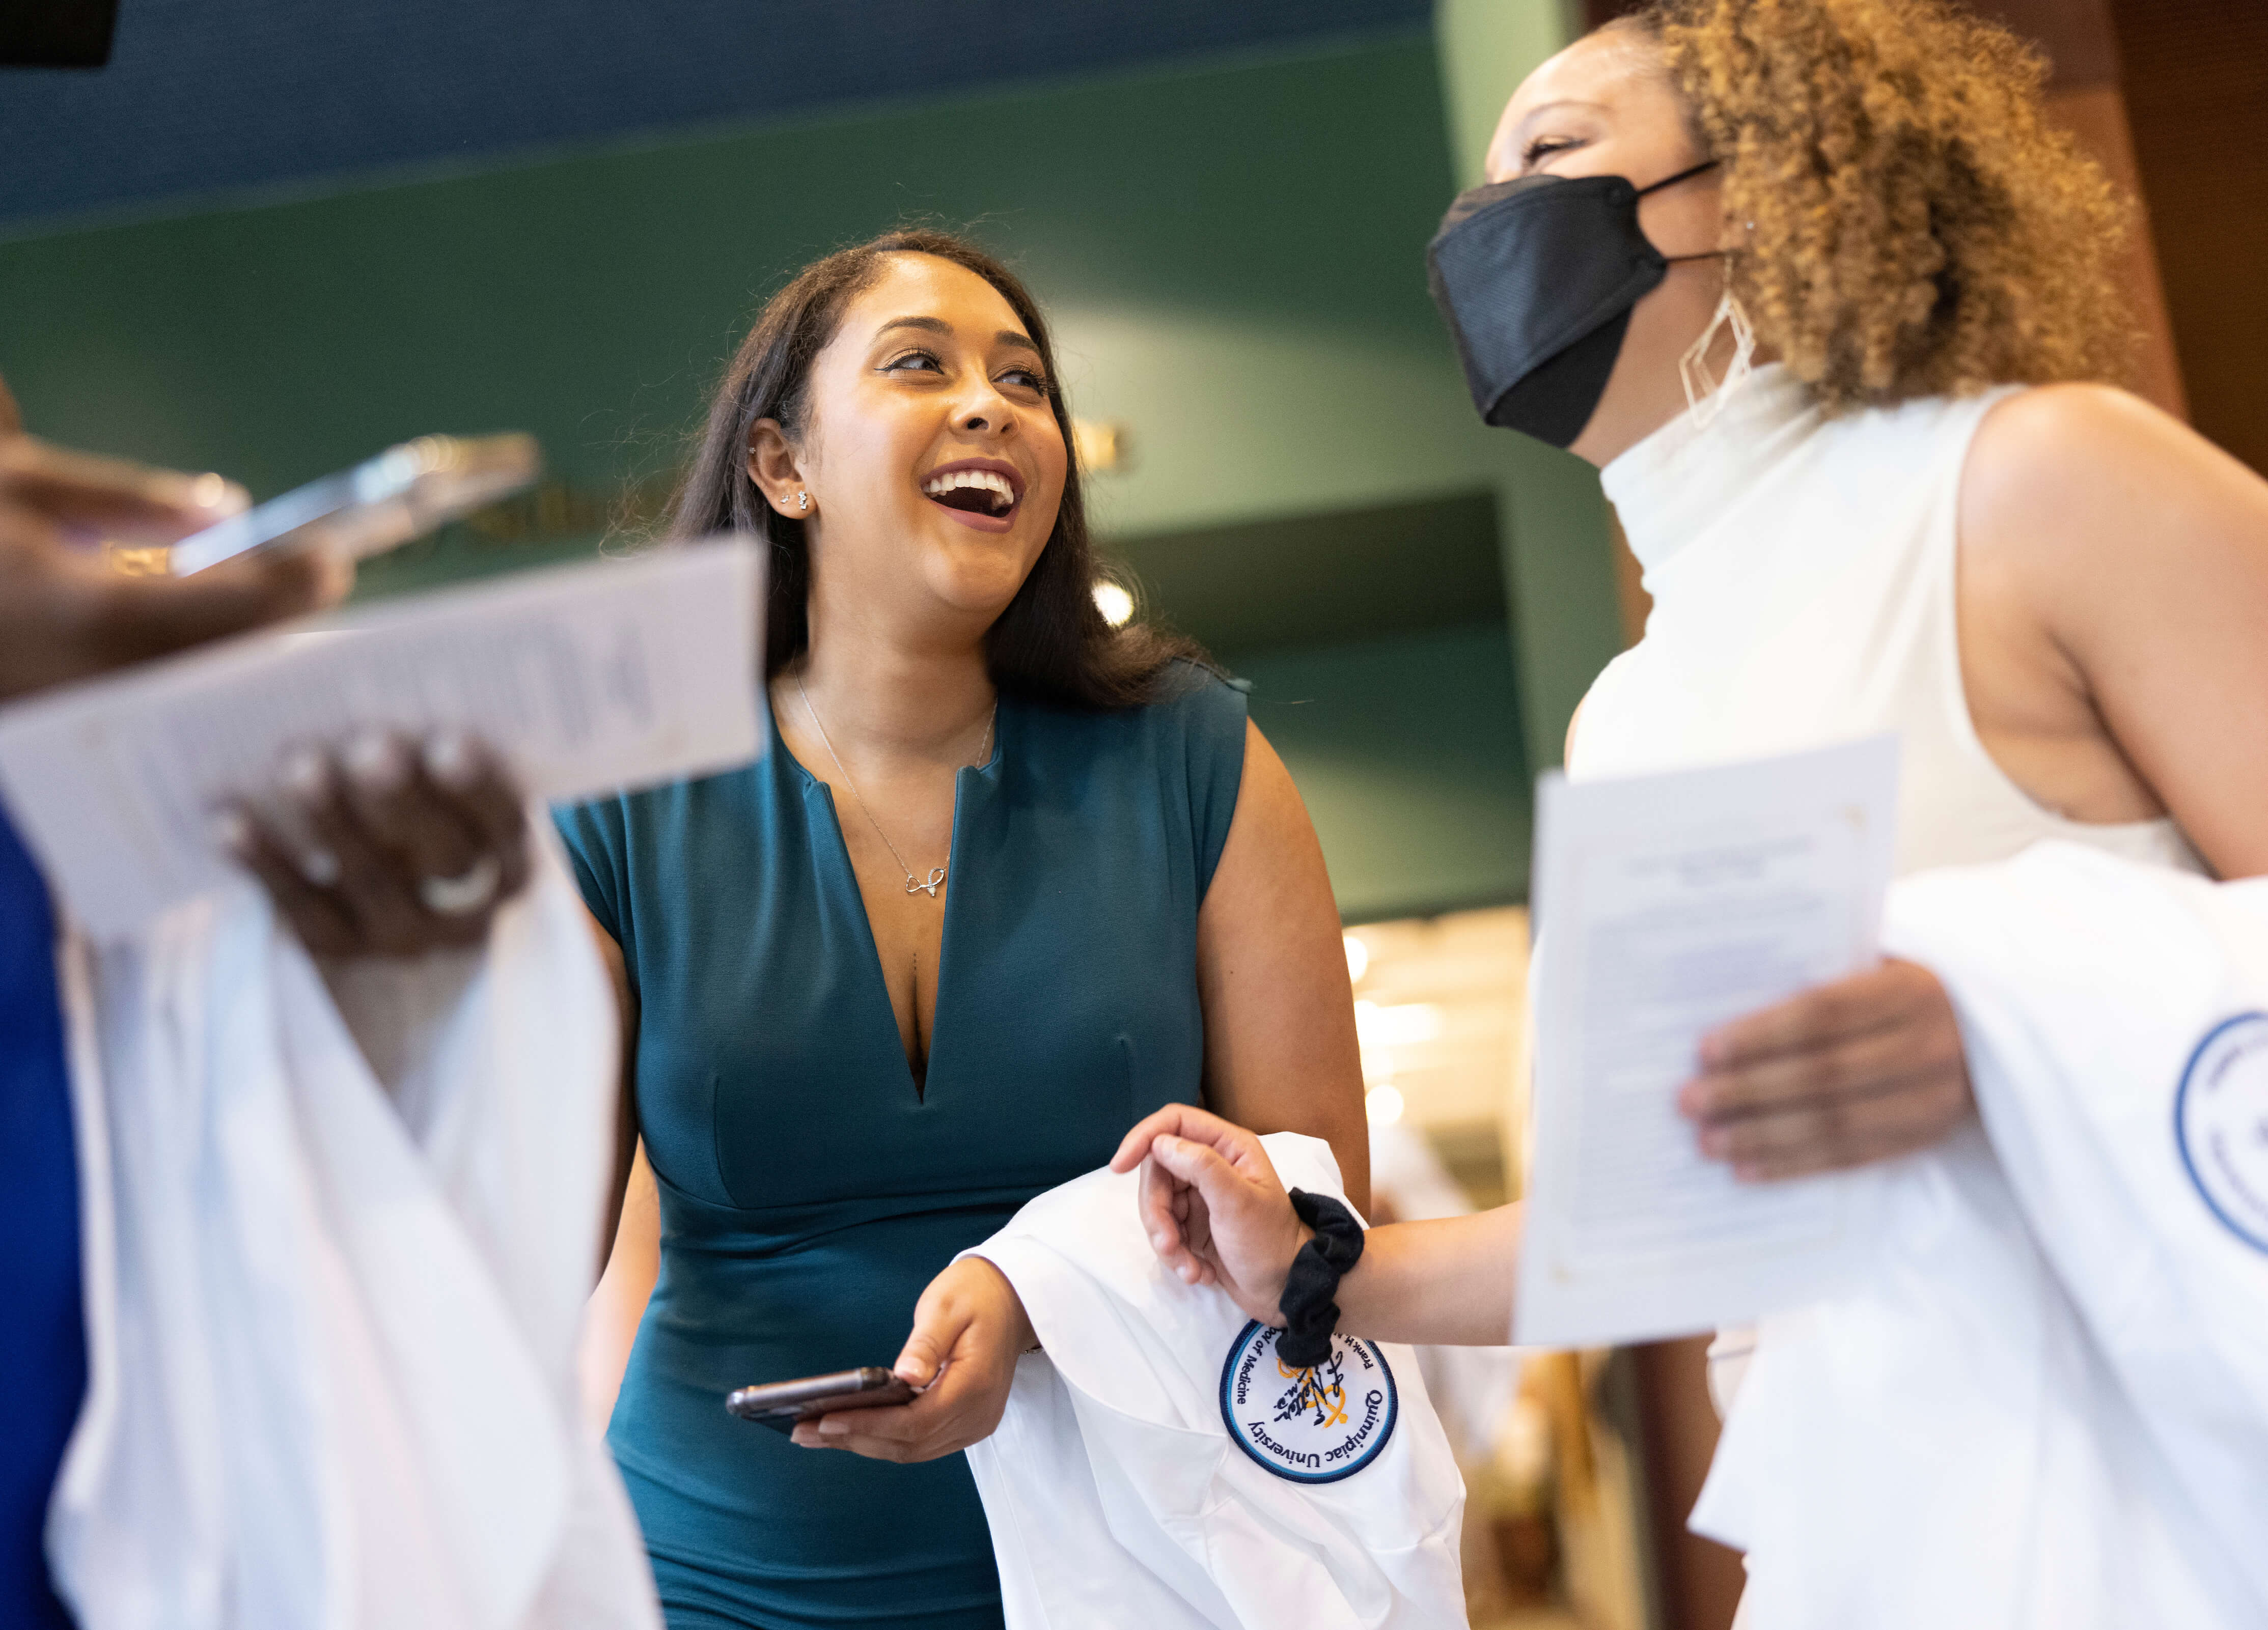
803	502
1705	397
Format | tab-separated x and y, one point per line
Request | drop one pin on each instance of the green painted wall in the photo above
1486	47
1232	256
1408	753
1557	553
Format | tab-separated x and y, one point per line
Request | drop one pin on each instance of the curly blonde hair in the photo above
1913	226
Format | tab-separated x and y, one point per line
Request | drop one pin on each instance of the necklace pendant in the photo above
936	881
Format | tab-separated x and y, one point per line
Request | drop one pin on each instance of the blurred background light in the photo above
1400	1025
1114	602
1358	956
1101	445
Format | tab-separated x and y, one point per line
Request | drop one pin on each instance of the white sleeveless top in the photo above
1802	574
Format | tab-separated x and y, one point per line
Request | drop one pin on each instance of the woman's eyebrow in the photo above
1535	113
938	325
927	325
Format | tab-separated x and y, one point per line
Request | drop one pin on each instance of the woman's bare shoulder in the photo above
2036	448
2065	466
2106	542
2086	491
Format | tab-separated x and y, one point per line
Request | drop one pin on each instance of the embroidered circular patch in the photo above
1311	1426
2221	1121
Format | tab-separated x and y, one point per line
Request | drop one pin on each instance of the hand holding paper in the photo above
1670	905
584	677
407	849
1861	1069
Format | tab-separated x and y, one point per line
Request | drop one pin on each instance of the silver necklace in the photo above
936	879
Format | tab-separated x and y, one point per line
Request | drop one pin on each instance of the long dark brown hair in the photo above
1051	643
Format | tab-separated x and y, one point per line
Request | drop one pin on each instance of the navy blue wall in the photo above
217	95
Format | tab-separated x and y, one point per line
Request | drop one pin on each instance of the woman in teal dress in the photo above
1008	880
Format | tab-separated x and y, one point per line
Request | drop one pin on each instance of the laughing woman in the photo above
1009	880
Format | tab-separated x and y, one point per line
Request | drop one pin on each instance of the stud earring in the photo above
803	502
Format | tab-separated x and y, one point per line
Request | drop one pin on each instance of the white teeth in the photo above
982	481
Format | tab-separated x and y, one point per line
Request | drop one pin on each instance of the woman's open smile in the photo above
980	493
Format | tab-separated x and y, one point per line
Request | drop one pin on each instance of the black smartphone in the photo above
780	1404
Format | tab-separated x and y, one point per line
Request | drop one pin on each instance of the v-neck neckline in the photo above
878	977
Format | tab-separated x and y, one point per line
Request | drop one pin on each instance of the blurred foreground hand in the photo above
66	613
400	848
388	846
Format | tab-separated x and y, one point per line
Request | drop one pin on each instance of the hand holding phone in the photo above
404	493
969	1335
781	1405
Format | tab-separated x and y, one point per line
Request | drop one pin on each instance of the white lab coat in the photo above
2049	1410
1116	1498
332	1327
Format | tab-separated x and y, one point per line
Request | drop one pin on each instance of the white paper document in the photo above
586	677
1665	905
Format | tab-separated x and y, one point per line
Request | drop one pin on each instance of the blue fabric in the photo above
808	1193
42	1336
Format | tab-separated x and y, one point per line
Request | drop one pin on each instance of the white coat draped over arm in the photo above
331	1320
2049	1409
1117	1496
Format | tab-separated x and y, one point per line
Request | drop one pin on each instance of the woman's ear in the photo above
776	468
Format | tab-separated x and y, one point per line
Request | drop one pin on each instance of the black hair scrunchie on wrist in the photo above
1310	1315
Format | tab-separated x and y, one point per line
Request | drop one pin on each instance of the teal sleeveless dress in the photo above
808	1190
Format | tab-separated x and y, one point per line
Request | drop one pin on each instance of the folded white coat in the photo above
1117	1496
332	1327
2050	1409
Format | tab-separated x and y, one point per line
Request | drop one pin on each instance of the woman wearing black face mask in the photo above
1786	269
1780	268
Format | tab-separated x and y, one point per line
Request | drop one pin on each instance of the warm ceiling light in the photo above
1383	1103
1358	957
1114	602
1100	445
1396	1026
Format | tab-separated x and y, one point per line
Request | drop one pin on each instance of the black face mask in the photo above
1536	278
